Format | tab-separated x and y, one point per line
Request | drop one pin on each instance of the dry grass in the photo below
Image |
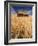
21	27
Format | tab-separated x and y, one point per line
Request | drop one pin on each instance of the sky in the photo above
14	9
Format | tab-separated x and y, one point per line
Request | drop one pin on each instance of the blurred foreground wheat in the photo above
21	27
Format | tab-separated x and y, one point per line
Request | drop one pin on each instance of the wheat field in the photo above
21	27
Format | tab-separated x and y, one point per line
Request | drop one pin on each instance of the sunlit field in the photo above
21	26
